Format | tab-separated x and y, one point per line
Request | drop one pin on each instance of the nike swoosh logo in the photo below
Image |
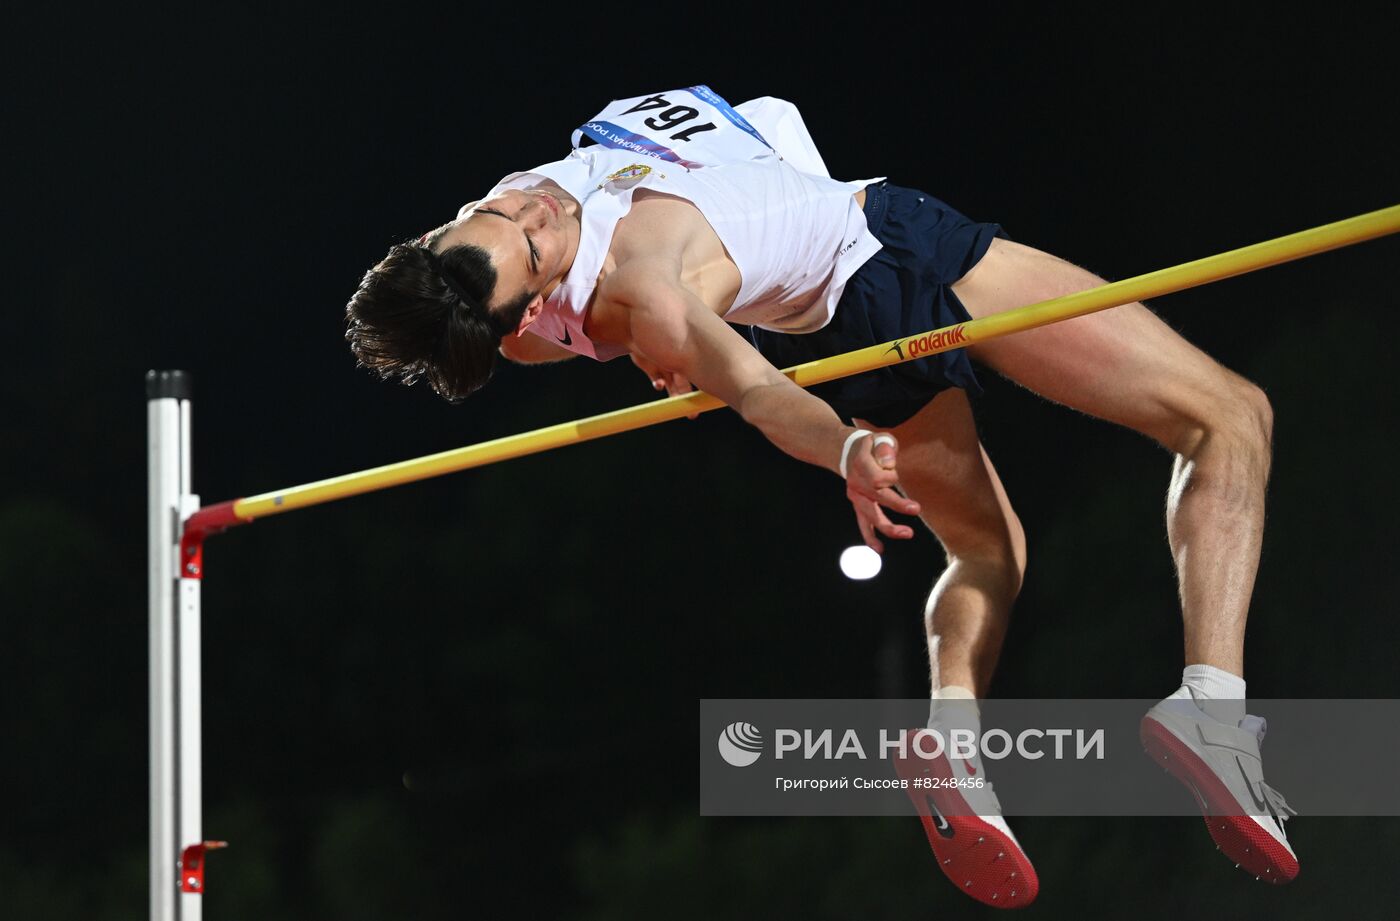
568	337
1263	805
939	823
970	769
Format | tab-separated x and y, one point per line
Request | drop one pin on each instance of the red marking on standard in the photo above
1240	837
977	858
192	865
209	520
212	519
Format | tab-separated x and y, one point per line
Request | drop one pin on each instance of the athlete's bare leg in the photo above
943	467
1127	366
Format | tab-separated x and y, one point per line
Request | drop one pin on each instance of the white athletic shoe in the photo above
1221	766
962	821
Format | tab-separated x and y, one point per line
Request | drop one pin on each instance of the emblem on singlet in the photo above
628	174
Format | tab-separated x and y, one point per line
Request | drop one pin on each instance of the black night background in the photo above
477	695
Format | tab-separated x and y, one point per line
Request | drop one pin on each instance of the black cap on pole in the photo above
164	385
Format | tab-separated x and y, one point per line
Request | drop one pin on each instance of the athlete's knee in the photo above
1242	418
993	558
1260	413
1222	411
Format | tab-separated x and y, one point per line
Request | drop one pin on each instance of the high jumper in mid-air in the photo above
676	215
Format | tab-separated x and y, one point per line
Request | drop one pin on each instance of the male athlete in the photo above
684	215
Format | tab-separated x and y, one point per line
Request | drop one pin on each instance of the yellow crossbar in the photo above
1188	275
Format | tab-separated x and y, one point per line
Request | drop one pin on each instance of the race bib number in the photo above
692	127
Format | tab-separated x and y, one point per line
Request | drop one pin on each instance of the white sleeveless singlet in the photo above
795	234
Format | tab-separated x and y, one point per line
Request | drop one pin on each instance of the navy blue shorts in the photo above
905	288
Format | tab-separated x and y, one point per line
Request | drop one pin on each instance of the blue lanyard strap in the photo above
719	102
610	135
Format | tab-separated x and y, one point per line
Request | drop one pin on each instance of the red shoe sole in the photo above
1238	836
976	857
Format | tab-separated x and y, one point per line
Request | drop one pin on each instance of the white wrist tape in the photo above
851	439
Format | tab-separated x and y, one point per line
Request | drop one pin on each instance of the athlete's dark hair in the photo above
421	314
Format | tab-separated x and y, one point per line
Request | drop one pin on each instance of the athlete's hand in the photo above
871	479
673	383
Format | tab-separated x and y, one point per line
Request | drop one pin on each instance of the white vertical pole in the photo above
189	740
165	457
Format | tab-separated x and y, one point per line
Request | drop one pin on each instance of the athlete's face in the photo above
531	234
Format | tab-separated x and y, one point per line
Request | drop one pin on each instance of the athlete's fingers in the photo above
650	369
872	520
884	447
895	501
678	386
867	530
885	478
883	524
868	478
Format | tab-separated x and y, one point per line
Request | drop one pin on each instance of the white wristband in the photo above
851	439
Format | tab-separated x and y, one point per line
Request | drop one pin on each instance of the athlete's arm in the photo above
672	328
529	349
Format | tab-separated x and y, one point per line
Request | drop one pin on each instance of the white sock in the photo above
952	692
1218	693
